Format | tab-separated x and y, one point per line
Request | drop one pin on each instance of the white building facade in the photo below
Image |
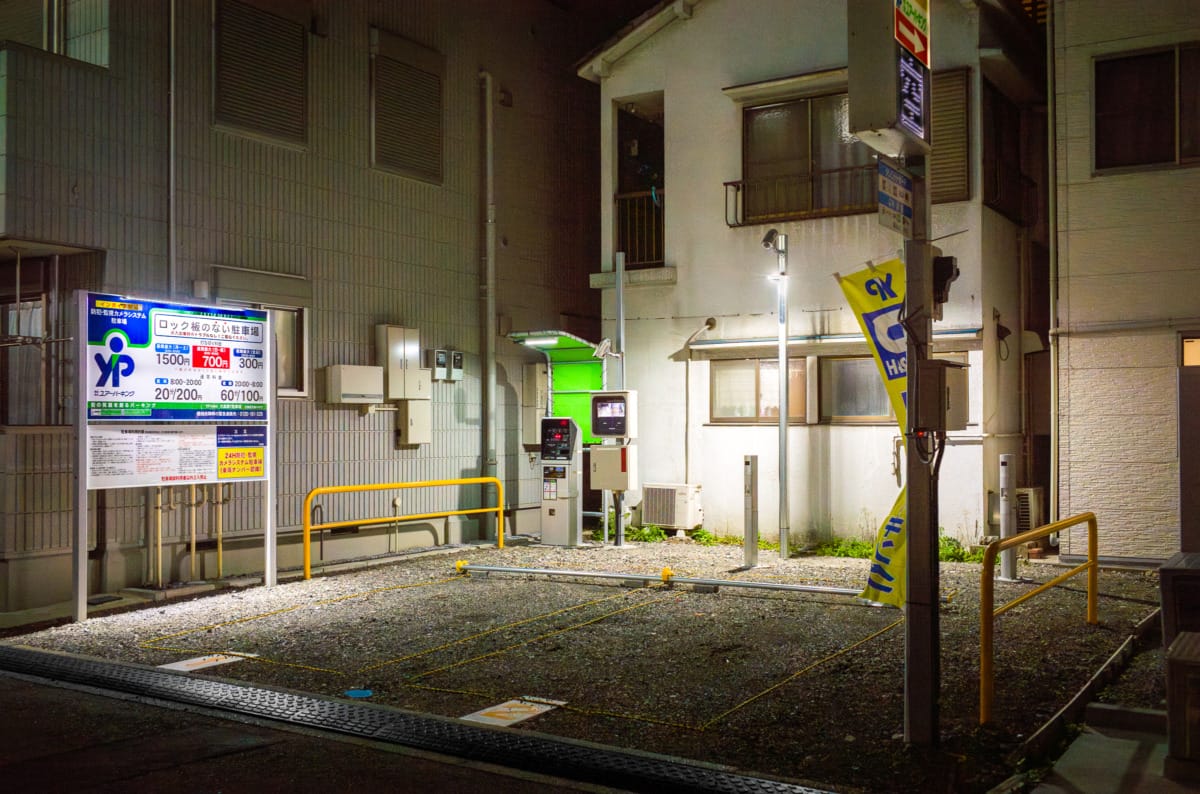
1126	270
749	105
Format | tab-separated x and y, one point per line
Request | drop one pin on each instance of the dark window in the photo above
1136	100
406	100
799	159
261	80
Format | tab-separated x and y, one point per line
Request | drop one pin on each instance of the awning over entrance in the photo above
574	372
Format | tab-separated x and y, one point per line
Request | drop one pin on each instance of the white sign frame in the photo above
190	432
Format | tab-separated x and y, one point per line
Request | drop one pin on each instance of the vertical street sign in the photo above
912	28
895	198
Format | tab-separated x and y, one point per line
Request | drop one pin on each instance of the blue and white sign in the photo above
895	198
155	361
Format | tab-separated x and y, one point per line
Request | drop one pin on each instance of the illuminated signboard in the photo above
912	98
154	361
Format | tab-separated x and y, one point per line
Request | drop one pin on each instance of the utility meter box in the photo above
614	468
456	365
438	362
614	414
943	399
346	383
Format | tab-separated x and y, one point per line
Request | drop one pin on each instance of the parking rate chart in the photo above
168	362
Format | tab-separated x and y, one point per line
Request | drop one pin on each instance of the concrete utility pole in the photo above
922	633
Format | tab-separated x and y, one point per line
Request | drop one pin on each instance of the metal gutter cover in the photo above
518	749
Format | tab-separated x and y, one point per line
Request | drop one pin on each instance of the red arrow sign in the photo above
911	38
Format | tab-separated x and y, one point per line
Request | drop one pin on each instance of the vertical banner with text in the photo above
876	294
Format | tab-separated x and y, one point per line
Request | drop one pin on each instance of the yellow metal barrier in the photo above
987	596
315	492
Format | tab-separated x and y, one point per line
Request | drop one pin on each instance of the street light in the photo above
773	240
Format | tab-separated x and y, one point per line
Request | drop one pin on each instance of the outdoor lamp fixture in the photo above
540	341
777	242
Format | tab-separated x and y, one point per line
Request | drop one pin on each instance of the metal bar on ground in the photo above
987	596
666	577
308	525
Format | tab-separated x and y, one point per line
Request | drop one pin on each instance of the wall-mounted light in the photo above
1003	332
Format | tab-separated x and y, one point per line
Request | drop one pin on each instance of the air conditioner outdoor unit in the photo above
673	506
1031	508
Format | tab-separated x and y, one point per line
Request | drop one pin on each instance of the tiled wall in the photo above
1127	256
87	164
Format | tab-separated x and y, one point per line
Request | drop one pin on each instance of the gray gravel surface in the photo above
800	685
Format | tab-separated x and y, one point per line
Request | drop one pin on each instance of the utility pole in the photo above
890	110
922	633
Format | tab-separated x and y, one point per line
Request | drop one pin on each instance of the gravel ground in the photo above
804	686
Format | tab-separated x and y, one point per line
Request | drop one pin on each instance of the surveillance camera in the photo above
768	240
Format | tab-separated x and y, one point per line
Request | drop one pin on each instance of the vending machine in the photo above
562	482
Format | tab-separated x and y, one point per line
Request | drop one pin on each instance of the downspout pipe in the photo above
172	236
489	279
709	324
1052	234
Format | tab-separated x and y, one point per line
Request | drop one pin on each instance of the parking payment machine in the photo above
562	480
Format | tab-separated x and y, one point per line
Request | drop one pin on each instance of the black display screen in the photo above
558	438
608	416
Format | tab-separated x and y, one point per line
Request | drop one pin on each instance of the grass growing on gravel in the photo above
949	549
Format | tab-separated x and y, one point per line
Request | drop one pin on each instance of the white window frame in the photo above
798	364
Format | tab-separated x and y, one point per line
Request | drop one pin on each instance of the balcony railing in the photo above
639	222
837	191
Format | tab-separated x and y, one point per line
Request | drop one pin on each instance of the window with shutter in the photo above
406	107
1147	108
261	71
949	158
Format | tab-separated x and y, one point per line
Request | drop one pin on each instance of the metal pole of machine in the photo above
619	349
1008	557
922	673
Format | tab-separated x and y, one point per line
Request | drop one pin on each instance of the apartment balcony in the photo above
638	218
790	197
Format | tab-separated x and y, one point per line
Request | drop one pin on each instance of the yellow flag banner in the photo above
876	294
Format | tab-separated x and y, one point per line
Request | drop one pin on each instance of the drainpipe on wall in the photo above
172	264
1052	233
489	281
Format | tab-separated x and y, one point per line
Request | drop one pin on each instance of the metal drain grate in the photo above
516	749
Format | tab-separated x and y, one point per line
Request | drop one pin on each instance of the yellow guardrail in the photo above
330	489
987	596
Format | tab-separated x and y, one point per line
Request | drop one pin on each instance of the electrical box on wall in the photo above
414	422
398	351
456	365
345	383
438	362
614	468
943	396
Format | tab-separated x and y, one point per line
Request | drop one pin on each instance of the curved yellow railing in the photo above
987	596
315	492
